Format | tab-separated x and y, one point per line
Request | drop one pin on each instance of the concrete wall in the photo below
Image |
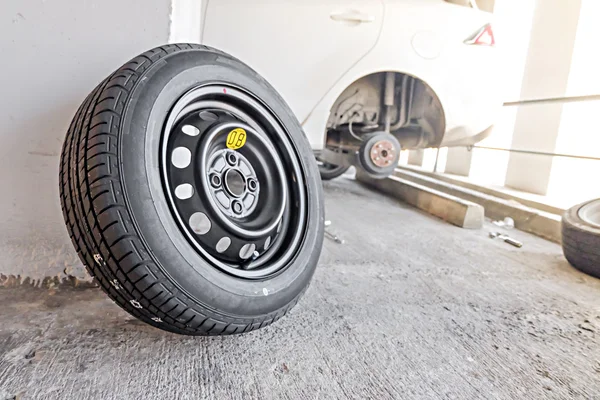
53	54
546	76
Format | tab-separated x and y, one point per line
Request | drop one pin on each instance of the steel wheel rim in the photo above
259	238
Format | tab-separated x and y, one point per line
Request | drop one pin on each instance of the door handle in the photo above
352	16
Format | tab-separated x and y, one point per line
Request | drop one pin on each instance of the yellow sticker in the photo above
236	139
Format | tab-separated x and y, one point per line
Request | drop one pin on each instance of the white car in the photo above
362	75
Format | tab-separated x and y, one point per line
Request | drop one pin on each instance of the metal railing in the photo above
539	153
551	100
570	99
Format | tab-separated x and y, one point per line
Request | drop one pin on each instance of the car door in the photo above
300	46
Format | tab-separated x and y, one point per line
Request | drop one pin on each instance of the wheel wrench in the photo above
506	238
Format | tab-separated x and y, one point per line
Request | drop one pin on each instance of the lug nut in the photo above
252	184
231	158
215	180
237	207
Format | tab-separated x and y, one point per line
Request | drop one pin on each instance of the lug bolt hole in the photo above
252	184
237	207
215	180
231	158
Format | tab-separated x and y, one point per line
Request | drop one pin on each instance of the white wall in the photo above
579	132
53	53
559	60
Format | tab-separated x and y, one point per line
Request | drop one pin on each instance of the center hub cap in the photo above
235	183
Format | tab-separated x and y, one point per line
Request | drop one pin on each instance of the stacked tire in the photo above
581	237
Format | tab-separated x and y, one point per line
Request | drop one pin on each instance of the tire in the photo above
581	237
364	154
330	171
128	223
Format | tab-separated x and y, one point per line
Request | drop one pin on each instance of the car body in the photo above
329	58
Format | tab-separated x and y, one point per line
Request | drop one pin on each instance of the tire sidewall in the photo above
141	133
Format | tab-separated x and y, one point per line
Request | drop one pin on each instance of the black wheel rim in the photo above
234	181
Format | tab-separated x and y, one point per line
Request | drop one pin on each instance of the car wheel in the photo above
191	193
329	171
581	237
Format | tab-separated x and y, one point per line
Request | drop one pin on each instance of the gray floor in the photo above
408	307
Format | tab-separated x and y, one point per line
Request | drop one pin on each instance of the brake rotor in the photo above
383	153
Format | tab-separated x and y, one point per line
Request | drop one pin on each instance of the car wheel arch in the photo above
343	88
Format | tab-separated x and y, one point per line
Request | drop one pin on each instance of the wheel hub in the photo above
233	183
383	153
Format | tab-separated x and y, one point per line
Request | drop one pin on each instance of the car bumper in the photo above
471	96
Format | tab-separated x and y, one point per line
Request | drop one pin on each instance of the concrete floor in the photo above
408	307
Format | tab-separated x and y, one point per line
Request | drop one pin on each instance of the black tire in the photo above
581	237
120	220
364	159
330	171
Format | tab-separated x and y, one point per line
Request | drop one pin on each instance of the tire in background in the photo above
330	171
581	237
327	170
